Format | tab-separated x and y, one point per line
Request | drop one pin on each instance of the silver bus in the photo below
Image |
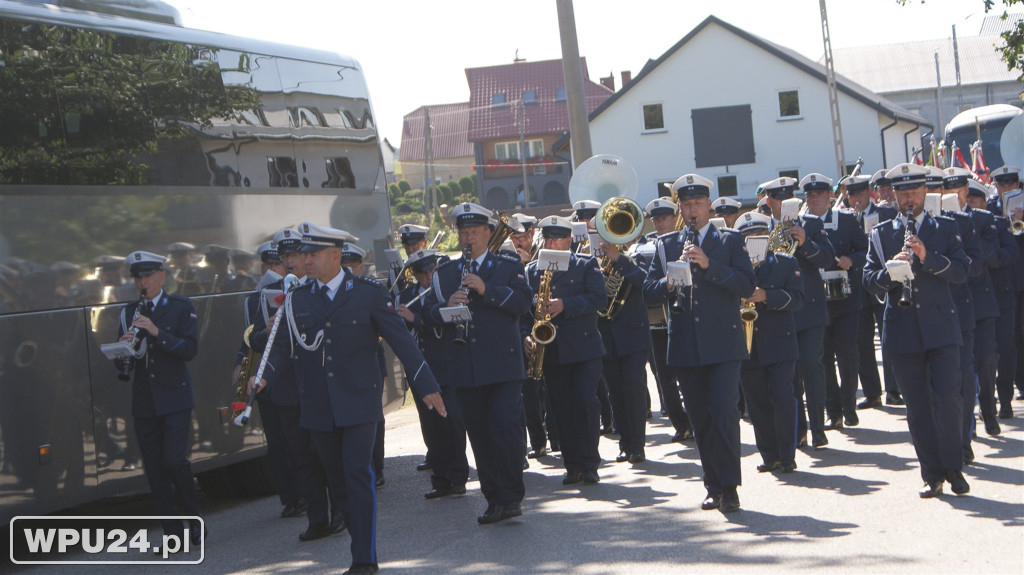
122	131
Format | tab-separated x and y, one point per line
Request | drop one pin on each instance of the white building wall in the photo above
717	68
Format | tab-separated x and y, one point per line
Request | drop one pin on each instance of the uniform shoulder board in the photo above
443	258
946	219
371	281
176	297
671	235
446	263
508	258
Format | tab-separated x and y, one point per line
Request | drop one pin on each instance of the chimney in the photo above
609	82
626	77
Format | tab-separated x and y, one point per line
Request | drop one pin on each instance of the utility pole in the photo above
428	163
521	108
956	66
572	71
833	95
940	127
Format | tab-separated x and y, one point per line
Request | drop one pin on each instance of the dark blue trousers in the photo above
810	379
711	395
537	415
572	391
1006	345
164	443
772	409
493	417
346	454
986	361
305	464
664	375
841	349
930	382
867	364
627	387
447	454
968	387
288	490
888	376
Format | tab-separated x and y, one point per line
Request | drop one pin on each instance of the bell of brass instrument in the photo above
543	331
907	296
1017	227
748	314
506	226
618	221
780	240
462	328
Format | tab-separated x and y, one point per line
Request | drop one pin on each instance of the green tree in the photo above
1012	49
468	184
404	186
394	192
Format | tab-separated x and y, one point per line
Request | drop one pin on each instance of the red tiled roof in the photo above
449	126
549	115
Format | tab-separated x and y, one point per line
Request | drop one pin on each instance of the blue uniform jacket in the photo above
493	352
848	239
975	251
775	327
931	321
816	253
161	382
1005	276
581	289
982	292
709	330
285	390
430	338
630	331
340	382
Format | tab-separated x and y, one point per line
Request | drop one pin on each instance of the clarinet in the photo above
678	302
907	297
128	363
462	328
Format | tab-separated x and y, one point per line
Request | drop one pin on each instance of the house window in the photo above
789	104
510	150
727	186
653	118
498	99
664	189
536	148
795	174
529	96
560	95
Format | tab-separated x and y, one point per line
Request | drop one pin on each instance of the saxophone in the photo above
248	368
543	331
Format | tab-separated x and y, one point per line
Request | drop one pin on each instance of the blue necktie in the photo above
473	267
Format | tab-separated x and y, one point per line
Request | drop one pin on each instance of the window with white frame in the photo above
654	119
510	150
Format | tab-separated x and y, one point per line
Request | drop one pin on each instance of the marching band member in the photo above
486	365
162	403
663	215
922	333
882	187
572	362
337	320
727	209
850	246
445	437
706	342
1009	283
767	377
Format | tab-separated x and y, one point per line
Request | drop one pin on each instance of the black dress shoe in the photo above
1006	411
572	477
338	523
361	569
623	456
496	513
537	452
607	429
957	483
851	419
555	448
931	489
637	457
197	534
766	467
712	501
379	481
294	510
968	455
818	439
650	415
834	423
591	477
314	532
802	440
423	466
992	426
789	467
683	435
438	492
526	464
730	500
893	399
869	402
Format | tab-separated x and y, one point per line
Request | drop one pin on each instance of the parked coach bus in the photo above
123	131
1001	127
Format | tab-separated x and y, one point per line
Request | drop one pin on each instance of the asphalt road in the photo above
852	507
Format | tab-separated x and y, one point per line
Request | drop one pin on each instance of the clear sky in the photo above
414	52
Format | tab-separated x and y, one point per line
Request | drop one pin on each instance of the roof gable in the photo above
548	115
449	127
846	86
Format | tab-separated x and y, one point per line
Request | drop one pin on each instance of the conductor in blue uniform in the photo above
338	319
162	400
921	330
487	367
706	344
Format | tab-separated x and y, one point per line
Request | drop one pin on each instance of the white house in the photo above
741	110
